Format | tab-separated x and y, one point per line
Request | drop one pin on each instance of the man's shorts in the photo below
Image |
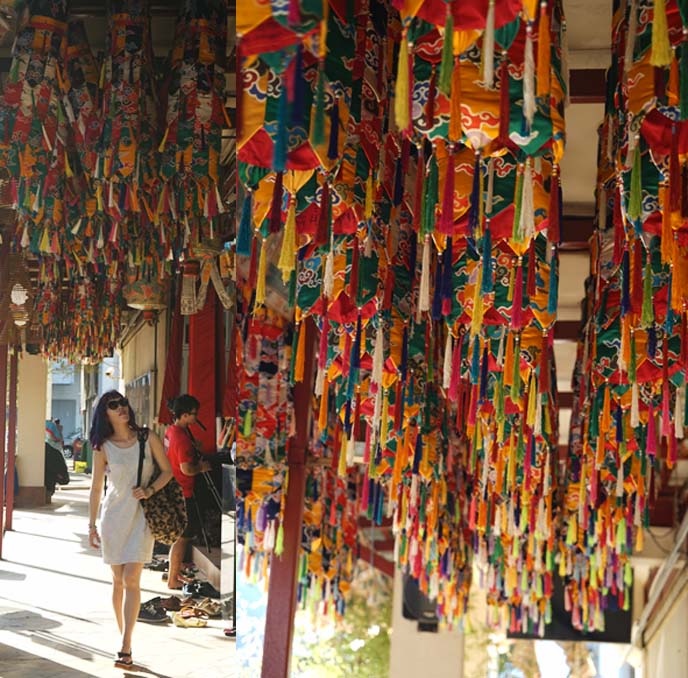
193	525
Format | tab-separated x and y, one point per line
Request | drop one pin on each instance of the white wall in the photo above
667	651
31	415
422	655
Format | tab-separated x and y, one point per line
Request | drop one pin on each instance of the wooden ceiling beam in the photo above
588	85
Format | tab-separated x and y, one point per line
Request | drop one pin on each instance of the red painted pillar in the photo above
279	622
12	437
3	427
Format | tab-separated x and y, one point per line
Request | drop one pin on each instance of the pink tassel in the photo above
516	316
651	432
456	372
666	414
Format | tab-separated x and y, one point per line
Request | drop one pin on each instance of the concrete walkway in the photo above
56	618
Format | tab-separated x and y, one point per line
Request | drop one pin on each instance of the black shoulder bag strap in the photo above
142	436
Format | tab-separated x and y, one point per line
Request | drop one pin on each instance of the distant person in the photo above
186	465
56	472
126	539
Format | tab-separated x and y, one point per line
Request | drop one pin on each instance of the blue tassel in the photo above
243	247
372	486
418	454
398	184
333	147
553	297
299	94
347	418
484	375
474	212
355	361
475	360
378	514
279	158
625	283
487	285
652	342
669	320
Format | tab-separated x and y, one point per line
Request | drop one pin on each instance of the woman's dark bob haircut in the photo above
101	428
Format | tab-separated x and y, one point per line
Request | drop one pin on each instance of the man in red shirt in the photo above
186	465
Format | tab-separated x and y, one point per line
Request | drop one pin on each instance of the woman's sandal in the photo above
124	660
188	622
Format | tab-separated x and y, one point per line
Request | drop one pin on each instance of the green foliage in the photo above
351	648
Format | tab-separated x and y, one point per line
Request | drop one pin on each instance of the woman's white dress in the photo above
124	532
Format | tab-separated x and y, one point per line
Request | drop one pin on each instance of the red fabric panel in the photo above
202	377
173	365
229	401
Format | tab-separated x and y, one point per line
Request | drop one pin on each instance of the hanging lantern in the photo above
148	296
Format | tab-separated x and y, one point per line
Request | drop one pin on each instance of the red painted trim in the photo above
12	437
567	329
588	85
279	621
3	428
376	560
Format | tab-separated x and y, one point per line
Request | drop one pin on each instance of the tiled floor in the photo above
55	615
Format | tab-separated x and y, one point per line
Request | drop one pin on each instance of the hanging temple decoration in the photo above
400	172
116	169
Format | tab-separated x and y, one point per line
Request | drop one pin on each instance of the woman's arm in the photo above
95	495
163	463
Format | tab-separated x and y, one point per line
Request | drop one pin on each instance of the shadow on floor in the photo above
19	664
11	576
23	621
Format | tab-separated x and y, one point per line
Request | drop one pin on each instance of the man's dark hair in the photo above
183	404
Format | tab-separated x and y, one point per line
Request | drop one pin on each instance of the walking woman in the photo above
125	537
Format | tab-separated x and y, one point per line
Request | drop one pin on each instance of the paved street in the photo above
55	615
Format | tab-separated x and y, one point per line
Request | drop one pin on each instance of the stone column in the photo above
421	655
31	415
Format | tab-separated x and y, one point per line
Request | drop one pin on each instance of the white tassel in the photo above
500	350
529	78
378	356
635	405
527	217
424	294
351	450
565	71
602	209
25	241
488	46
447	367
320	382
630	36
678	411
620	479
497	527
328	278
538	415
490	186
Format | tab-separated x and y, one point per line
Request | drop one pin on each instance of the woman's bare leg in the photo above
132	601
118	594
